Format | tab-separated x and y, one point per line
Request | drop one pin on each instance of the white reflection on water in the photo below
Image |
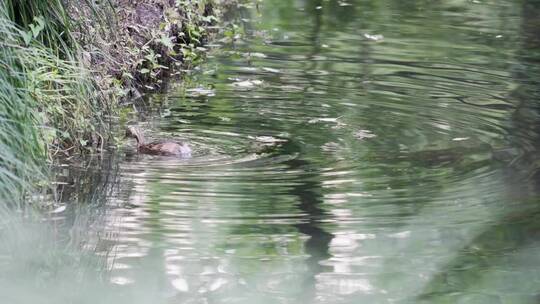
354	213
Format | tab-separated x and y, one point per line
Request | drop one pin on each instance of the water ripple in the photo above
344	152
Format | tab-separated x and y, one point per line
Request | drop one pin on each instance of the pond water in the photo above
345	152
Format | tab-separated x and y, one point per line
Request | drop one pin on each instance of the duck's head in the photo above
135	132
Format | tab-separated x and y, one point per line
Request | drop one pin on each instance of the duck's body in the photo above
164	148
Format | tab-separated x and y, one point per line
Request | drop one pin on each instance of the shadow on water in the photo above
506	251
59	253
309	194
309	191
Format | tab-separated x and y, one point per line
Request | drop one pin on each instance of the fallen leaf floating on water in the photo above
247	84
254	55
271	70
209	72
374	37
59	209
266	139
331	147
194	92
263	142
323	119
363	134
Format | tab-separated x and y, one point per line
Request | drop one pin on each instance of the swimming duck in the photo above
164	148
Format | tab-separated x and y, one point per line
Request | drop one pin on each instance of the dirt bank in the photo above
134	44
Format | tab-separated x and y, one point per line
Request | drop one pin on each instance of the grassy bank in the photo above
64	65
46	96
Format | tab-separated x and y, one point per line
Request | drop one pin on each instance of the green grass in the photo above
21	149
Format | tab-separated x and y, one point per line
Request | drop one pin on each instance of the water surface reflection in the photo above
348	151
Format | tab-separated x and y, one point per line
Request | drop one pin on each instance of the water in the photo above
345	152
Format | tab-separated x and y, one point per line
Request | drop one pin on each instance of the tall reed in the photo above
21	149
47	98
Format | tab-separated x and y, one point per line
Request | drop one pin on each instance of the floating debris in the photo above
460	138
271	70
210	72
331	147
266	139
58	209
200	91
376	37
254	55
363	134
339	125
323	119
247	84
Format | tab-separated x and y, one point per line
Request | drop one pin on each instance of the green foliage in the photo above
47	100
21	147
177	41
45	21
50	103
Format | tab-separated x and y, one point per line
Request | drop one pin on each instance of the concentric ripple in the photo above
346	152
344	159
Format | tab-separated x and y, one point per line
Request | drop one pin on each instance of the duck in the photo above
163	148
